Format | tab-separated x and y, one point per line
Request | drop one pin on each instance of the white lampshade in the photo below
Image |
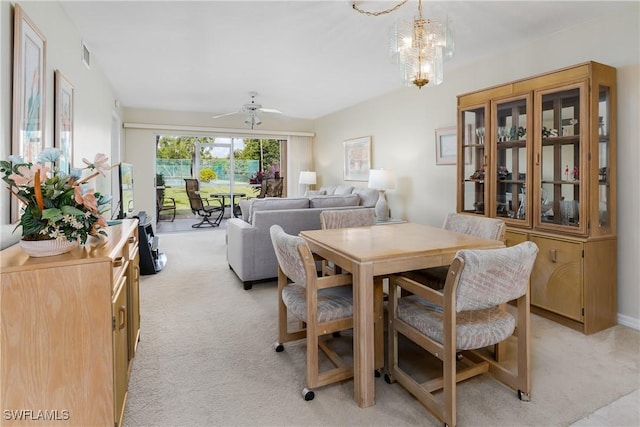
307	178
382	179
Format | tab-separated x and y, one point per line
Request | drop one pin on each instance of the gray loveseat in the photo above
249	250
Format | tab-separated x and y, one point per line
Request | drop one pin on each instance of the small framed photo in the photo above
63	123
446	146
357	159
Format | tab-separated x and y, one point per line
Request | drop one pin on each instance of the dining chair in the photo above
347	218
486	228
464	317
322	305
344	218
203	207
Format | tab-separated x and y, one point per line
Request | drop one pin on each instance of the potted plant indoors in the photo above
60	210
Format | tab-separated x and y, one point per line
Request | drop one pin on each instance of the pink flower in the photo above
99	163
26	175
88	199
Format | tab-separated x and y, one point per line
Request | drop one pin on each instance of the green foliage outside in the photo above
207	175
176	156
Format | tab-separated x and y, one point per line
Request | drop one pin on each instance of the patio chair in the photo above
164	204
203	207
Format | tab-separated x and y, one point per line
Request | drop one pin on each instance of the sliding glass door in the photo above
228	168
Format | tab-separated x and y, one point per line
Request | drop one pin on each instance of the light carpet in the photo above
206	358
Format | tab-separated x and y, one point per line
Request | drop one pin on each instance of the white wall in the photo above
94	97
402	125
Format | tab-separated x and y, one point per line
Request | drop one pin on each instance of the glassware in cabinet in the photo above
472	165
562	155
511	130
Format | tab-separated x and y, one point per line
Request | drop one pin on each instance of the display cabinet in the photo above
540	153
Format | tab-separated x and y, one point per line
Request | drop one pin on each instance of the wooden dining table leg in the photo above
363	335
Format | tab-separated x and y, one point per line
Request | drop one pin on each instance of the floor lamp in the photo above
307	178
381	180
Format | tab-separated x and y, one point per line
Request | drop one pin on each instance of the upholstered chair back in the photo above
486	228
289	259
493	277
346	218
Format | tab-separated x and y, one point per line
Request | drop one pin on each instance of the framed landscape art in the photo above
29	53
357	159
63	123
446	146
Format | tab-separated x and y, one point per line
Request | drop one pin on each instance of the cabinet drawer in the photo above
132	246
119	264
556	280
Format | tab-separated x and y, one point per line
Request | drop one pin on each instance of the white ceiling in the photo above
304	58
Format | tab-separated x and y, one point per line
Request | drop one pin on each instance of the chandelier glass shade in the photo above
420	47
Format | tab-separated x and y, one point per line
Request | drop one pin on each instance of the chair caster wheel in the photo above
279	347
525	397
377	373
388	379
308	394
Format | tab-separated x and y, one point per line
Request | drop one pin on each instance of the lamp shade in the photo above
382	179
307	178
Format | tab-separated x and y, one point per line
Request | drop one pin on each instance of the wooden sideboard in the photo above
69	327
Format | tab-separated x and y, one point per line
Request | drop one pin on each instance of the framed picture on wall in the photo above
29	53
357	159
63	123
446	146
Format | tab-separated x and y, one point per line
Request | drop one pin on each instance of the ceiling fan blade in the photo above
224	115
270	110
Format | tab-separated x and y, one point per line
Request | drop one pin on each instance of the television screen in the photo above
126	191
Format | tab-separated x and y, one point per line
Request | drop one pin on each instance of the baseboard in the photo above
629	321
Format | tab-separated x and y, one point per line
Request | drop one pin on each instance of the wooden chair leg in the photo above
378	327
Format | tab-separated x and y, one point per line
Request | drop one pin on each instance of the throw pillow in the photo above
342	190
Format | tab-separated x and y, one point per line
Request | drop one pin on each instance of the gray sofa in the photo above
249	250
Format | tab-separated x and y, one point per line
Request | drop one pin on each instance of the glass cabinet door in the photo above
472	160
510	131
604	147
561	157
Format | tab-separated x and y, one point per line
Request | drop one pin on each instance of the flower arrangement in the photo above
57	205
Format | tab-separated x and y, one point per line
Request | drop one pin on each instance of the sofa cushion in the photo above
313	193
368	196
277	203
329	190
334	201
342	190
245	208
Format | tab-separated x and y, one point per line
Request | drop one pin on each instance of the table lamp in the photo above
307	178
382	180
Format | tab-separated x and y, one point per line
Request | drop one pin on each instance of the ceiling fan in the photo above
251	109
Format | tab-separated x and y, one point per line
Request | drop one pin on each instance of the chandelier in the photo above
419	47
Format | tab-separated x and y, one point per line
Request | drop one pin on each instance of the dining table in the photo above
370	253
